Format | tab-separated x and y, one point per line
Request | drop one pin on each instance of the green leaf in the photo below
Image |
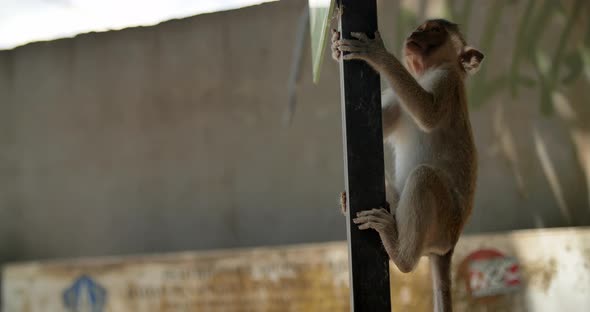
574	67
320	12
519	46
546	101
563	39
542	18
542	59
585	57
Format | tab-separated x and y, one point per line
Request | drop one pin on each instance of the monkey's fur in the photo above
426	121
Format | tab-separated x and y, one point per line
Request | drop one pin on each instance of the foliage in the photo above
551	69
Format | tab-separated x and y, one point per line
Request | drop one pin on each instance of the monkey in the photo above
425	121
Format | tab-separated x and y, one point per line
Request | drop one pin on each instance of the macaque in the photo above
426	122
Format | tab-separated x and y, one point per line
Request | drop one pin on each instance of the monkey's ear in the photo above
470	59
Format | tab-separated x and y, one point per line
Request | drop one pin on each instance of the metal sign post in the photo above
364	168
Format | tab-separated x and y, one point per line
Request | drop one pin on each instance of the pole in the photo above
363	160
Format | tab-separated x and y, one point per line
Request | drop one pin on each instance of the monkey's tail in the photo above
440	268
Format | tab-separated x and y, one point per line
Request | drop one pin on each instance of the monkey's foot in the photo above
380	220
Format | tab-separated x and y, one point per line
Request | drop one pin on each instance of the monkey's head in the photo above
436	42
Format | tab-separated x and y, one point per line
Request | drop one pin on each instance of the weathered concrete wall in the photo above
170	138
522	277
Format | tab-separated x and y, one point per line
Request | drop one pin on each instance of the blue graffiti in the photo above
85	295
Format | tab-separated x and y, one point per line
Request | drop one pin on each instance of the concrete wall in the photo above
170	138
530	270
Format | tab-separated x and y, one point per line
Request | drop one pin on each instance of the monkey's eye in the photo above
435	29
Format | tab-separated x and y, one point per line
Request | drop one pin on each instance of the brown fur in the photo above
426	119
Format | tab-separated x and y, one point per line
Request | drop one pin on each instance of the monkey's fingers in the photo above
371	218
334	46
350	48
335	52
336	55
372	225
380	213
350	42
335	35
377	35
343	202
357	49
354	56
360	36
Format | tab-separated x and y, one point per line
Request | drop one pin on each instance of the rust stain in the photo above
540	275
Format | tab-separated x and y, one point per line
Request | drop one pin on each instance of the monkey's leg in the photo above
423	216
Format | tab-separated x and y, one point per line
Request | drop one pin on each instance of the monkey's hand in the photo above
366	49
343	203
379	220
335	52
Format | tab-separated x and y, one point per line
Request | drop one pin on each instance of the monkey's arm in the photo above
426	108
423	106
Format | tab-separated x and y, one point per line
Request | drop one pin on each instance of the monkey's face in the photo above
429	45
426	39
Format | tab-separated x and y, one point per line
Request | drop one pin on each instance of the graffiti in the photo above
85	295
490	273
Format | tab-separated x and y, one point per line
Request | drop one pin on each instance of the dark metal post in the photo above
363	159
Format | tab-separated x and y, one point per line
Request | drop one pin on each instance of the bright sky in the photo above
23	21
